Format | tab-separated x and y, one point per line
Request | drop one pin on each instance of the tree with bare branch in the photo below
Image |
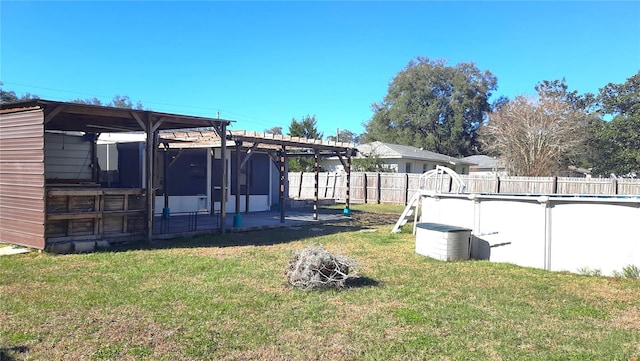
533	137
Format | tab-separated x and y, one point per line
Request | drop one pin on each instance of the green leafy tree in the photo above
304	128
88	101
118	101
369	163
434	106
345	136
274	131
616	144
8	96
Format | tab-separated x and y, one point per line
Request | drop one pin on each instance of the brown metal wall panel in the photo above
33	143
22	239
13	213
22	156
33	180
18	192
25	131
22	185
19	203
20	167
22	226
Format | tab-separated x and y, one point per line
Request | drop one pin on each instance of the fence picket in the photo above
396	188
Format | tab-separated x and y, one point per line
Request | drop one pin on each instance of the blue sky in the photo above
264	63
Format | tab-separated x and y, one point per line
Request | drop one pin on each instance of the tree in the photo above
305	128
118	101
533	137
579	156
8	96
274	131
616	143
433	106
88	101
369	163
345	136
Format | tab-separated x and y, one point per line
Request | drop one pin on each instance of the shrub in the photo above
630	271
315	267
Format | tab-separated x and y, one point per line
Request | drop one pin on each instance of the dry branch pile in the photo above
315	267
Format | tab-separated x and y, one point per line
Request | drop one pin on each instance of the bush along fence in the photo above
398	188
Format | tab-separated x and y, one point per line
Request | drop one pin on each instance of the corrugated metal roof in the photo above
97	119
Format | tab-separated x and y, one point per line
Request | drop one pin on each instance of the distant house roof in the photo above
482	161
397	151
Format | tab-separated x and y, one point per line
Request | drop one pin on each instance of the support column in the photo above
282	162
247	182
223	174
151	194
237	217
316	184
347	209
166	212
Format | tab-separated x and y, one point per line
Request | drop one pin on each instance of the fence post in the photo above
614	186
554	189
406	188
300	185
497	184
364	182
379	189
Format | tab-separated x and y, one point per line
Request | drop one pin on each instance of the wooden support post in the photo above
614	186
165	175
236	179
247	176
282	164
223	175
97	208
497	189
554	187
347	209
150	153
316	178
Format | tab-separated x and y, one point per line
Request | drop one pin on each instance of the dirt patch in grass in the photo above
123	333
627	319
600	288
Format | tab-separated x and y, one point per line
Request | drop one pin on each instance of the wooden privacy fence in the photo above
398	188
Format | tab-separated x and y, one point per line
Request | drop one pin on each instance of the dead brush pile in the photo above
315	267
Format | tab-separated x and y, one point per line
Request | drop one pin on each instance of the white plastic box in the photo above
442	241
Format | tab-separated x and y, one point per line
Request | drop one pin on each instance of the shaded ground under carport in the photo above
193	223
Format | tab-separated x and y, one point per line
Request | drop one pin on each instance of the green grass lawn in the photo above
226	297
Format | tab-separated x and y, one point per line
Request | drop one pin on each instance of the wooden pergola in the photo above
278	147
284	147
